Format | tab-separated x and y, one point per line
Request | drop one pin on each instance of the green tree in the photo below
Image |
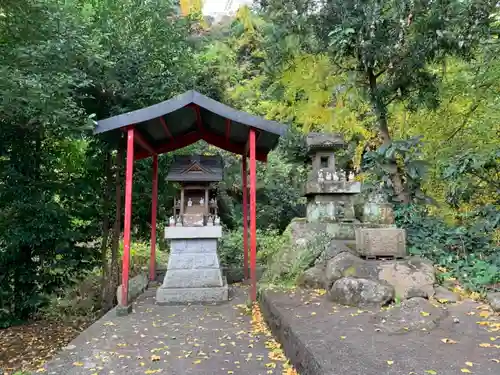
388	49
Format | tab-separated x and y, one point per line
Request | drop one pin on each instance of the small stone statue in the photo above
335	176
329	176
217	220
171	221
341	175
321	177
212	201
351	176
210	221
202	201
190	202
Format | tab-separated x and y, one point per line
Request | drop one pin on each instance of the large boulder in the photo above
313	278
410	277
347	264
494	300
334	248
360	292
411	315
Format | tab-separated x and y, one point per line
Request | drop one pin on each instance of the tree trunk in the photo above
114	276
108	185
400	193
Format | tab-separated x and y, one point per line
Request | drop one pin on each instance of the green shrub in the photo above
231	246
467	251
80	301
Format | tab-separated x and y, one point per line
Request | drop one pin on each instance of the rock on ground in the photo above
136	286
444	295
411	315
494	301
360	292
410	277
314	278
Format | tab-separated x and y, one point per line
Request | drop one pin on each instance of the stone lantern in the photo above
329	189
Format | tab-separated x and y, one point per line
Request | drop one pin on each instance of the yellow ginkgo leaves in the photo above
78	364
431	372
155	358
152	371
390	363
466	370
424	313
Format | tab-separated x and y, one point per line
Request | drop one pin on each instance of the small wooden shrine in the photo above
196	204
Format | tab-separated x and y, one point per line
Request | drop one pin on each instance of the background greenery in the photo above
413	86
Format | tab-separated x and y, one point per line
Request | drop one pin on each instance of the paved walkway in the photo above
343	340
173	340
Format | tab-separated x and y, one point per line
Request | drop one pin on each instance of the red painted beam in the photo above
141	141
165	127
128	215
176	144
154	205
253	218
235	148
245	215
228	129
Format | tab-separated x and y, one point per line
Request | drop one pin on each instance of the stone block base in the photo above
192	295
123	310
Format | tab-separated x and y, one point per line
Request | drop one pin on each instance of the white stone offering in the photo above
217	220
321	177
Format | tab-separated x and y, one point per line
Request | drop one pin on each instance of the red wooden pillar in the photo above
128	215
245	215
154	205
253	212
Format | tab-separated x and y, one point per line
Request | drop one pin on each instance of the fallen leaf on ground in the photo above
484	314
155	358
432	372
470	364
465	370
495	360
424	313
485	345
390	362
79	364
448	341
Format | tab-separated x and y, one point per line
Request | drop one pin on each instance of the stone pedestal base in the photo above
193	272
192	295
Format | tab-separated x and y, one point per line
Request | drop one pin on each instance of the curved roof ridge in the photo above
168	106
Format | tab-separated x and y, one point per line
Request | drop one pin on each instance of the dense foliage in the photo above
413	86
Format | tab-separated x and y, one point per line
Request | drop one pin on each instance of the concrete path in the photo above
173	340
321	337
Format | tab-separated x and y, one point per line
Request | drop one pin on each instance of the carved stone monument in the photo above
381	242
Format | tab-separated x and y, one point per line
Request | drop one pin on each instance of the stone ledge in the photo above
295	349
193	232
165	296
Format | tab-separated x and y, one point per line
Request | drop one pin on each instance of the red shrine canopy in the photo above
177	123
190	117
